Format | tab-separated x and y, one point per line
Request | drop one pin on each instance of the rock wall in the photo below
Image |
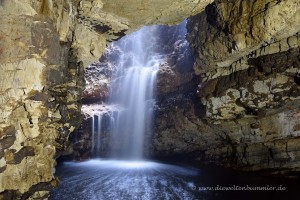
246	58
242	109
245	80
230	30
44	47
40	88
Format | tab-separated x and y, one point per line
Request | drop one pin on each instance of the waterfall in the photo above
99	134
96	133
93	133
132	89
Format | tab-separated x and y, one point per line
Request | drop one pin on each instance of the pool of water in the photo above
113	179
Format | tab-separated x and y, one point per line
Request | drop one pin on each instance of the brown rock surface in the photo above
242	111
229	30
44	48
45	45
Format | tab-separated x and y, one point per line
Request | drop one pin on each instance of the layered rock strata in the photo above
245	80
243	110
44	47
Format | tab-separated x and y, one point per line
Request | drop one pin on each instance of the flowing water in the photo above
148	180
131	96
132	90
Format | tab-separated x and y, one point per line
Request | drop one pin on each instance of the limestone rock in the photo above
248	55
154	12
45	46
97	78
227	30
33	64
242	111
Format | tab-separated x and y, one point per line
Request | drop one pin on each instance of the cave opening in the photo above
234	103
120	104
138	79
122	90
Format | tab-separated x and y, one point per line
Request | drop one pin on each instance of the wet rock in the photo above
242	110
45	46
98	78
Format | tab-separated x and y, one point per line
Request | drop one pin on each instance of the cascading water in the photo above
132	90
96	133
122	122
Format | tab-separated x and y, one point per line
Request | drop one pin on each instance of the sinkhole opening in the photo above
123	91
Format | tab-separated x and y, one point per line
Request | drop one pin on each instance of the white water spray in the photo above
132	90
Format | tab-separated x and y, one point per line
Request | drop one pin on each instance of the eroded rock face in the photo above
98	80
34	74
269	142
238	120
229	30
242	110
177	68
44	48
246	55
98	75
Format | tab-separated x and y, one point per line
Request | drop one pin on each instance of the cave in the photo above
149	99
